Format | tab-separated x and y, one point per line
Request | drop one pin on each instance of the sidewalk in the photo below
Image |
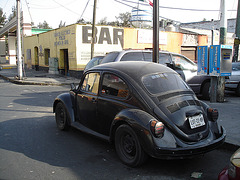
229	111
33	77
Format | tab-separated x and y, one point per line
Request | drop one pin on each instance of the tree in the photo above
103	21
124	19
62	24
14	13
44	25
82	21
2	18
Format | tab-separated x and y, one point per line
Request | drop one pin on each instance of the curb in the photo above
21	82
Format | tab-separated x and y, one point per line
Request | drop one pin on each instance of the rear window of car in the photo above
110	57
163	82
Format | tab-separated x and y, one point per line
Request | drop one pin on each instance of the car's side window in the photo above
114	86
133	56
182	63
91	83
164	58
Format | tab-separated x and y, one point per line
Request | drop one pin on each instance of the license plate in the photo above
196	121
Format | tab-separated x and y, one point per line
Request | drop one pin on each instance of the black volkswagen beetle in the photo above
144	109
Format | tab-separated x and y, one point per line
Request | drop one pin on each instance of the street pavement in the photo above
229	110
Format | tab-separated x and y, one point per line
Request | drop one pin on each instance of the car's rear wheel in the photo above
205	91
128	147
61	117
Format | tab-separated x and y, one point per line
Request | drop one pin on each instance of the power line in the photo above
84	9
29	11
66	8
5	4
40	6
146	11
176	8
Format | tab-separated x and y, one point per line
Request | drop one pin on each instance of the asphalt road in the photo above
31	147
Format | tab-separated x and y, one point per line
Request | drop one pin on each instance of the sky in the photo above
69	11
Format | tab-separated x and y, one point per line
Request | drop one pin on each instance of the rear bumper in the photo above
190	150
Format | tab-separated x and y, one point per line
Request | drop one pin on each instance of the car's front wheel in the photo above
61	117
128	147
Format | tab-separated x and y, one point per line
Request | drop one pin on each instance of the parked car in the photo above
233	83
232	172
184	66
93	62
145	108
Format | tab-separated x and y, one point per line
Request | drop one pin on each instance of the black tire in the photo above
238	90
61	116
128	147
205	91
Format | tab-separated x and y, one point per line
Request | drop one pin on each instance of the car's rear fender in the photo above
140	122
66	99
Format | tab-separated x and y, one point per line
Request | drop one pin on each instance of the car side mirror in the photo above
170	65
73	87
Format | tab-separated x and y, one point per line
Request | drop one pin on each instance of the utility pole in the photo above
213	82
237	38
93	29
155	57
19	48
223	40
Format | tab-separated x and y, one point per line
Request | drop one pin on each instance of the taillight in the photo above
157	128
212	114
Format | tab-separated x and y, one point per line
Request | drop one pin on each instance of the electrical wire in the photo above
29	11
5	4
146	12
175	8
84	9
66	7
232	7
37	6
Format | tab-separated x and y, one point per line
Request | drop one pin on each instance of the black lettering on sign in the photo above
118	35
104	36
86	35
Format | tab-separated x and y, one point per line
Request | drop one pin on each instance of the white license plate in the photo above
196	121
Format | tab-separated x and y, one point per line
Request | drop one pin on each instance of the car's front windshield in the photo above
162	82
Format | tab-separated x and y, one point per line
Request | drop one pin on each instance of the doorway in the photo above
64	59
36	59
46	56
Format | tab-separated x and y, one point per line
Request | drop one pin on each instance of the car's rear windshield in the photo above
110	57
162	82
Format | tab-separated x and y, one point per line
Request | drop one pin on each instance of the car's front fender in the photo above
66	99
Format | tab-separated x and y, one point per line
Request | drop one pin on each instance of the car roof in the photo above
133	68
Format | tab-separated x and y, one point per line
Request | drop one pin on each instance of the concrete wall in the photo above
2	51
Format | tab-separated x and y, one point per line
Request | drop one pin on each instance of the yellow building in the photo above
68	49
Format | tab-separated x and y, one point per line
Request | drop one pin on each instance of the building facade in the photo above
71	46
